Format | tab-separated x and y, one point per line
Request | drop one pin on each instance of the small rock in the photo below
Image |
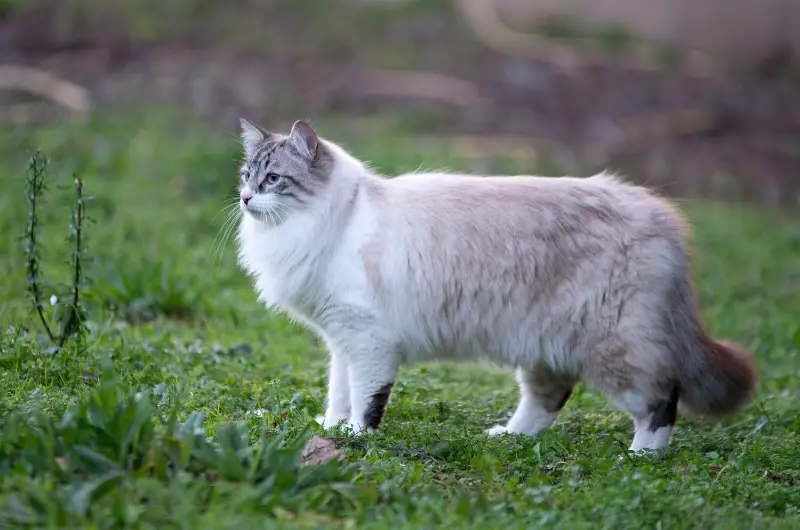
319	450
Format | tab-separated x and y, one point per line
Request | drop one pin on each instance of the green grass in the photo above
154	424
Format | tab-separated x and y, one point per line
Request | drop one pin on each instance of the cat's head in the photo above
282	174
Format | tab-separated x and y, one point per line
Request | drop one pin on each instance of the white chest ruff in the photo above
300	275
280	271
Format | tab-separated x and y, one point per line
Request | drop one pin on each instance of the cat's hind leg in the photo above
653	417
638	376
542	396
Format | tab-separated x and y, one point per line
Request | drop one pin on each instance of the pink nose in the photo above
246	198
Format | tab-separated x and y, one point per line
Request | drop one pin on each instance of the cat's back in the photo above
526	189
465	260
545	206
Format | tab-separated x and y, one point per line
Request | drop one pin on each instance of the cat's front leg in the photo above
372	370
338	408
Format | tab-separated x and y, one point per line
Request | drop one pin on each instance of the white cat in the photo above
564	279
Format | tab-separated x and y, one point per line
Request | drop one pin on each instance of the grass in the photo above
191	403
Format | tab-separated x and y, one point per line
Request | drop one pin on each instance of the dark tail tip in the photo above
722	384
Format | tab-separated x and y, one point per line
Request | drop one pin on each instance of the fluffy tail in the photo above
718	381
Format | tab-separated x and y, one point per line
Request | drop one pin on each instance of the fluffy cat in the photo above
564	279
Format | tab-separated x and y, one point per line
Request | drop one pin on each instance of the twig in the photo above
482	16
35	184
78	215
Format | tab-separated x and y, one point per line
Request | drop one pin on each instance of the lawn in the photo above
189	403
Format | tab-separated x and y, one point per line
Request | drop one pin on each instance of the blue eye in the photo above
273	178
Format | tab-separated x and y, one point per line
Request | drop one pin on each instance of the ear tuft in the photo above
252	136
304	140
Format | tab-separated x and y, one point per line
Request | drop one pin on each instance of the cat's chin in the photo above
255	216
261	219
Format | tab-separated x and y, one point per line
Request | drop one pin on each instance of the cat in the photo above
564	279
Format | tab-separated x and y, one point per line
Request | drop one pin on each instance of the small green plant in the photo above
115	445
70	315
142	293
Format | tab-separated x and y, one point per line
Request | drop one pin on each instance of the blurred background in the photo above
697	98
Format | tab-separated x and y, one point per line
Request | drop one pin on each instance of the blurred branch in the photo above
482	16
656	126
44	84
682	122
425	85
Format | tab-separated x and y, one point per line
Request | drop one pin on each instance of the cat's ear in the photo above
304	140
252	136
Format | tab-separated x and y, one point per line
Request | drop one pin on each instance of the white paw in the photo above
330	420
497	430
644	451
357	429
631	454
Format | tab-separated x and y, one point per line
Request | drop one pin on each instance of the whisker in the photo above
223	234
269	211
231	228
224	209
272	216
214	251
217	237
264	217
278	215
278	209
283	208
235	135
